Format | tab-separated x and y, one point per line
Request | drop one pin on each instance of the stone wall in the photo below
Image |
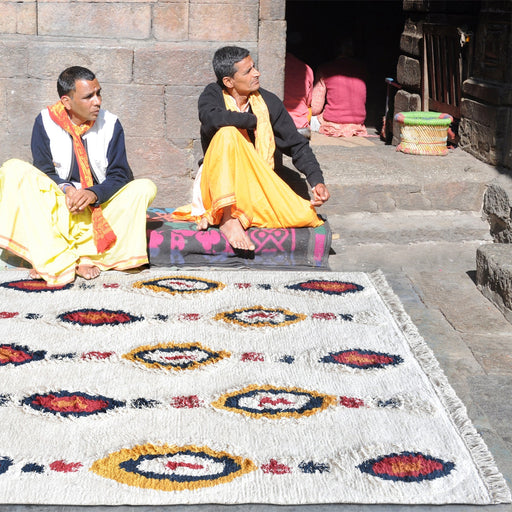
486	127
152	59
408	68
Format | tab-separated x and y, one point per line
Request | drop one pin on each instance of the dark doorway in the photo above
315	26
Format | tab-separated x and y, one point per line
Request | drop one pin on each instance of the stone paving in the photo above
428	255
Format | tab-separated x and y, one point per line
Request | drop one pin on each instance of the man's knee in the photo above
148	187
21	174
141	187
227	133
17	166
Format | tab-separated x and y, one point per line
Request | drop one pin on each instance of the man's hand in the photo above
78	200
320	194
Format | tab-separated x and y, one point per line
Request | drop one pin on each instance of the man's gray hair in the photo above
67	79
225	59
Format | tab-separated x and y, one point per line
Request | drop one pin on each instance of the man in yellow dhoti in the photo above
78	210
241	126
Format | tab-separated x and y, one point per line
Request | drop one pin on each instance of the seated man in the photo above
339	95
78	211
241	125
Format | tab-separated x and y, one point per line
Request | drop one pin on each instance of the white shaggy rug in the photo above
227	387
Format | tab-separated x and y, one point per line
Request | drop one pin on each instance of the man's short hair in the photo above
67	79
224	61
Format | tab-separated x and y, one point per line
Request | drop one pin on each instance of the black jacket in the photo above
214	115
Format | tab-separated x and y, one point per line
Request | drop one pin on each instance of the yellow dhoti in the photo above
36	224
235	175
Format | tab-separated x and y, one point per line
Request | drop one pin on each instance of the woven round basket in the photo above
423	133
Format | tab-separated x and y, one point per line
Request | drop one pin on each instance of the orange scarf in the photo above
104	236
265	143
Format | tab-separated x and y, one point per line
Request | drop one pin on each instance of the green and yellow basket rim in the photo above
423	118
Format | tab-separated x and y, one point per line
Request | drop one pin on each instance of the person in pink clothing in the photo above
339	96
298	90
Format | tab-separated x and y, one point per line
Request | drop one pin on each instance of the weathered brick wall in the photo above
152	59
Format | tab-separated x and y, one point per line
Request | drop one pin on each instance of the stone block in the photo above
170	21
271	55
140	108
181	115
497	209
237	21
110	64
479	112
412	38
410	44
14	138
272	9
409	72
494	275
485	133
107	20
407	102
462	196
8	17
14	59
451	196
476	139
24	100
12	147
26	18
404	102
366	198
491	93
159	160
18	18
180	64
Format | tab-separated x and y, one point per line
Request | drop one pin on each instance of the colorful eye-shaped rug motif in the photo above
168	387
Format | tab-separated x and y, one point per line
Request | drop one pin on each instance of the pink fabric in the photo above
341	129
298	90
340	92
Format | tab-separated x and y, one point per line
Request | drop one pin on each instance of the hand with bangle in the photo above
64	186
77	199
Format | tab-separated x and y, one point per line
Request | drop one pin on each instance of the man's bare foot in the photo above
236	234
34	274
202	224
87	271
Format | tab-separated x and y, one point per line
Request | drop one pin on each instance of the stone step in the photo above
376	178
396	258
406	227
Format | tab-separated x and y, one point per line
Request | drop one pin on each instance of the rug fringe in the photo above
486	465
